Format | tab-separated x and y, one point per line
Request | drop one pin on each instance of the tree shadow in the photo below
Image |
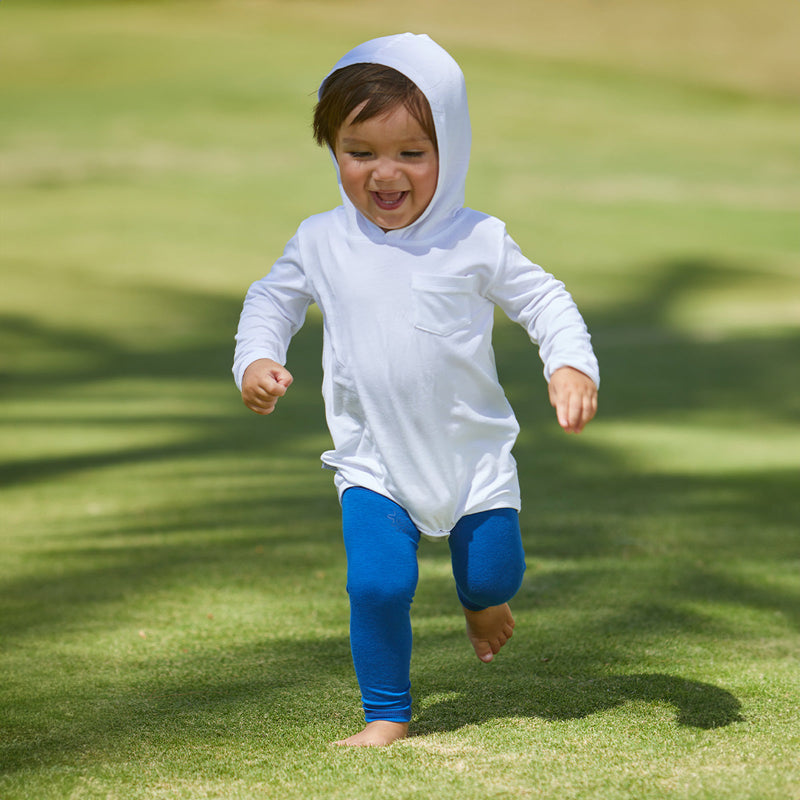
82	364
582	502
192	703
650	368
203	545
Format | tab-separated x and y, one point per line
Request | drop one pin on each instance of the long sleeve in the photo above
274	310
540	303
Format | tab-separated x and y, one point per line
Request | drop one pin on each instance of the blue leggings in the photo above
381	543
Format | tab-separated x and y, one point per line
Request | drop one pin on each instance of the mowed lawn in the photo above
173	617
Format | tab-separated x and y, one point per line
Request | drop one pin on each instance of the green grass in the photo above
173	620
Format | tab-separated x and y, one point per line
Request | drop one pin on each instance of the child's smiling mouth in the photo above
388	201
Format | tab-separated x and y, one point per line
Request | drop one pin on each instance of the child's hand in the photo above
574	397
263	383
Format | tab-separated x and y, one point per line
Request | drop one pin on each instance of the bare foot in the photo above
377	734
489	630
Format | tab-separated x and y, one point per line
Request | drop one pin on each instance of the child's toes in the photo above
489	630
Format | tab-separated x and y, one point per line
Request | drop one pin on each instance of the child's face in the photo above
388	167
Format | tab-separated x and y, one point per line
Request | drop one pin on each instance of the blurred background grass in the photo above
173	613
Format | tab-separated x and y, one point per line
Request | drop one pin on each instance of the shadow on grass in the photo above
80	366
304	692
203	548
192	703
560	697
581	504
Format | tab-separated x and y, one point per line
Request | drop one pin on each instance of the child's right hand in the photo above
263	383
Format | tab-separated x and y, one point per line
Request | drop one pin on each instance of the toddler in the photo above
407	280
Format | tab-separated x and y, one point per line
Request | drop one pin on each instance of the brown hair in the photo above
381	88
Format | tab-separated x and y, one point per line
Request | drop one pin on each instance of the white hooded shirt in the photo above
412	398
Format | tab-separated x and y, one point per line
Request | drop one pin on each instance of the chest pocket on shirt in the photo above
442	303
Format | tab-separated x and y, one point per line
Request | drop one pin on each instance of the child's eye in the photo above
413	153
359	154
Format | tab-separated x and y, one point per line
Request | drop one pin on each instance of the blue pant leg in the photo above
381	544
487	557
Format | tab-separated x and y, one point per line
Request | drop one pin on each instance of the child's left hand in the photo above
574	397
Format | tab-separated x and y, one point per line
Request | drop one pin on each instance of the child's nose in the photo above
385	169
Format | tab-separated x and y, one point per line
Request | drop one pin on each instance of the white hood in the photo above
440	79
